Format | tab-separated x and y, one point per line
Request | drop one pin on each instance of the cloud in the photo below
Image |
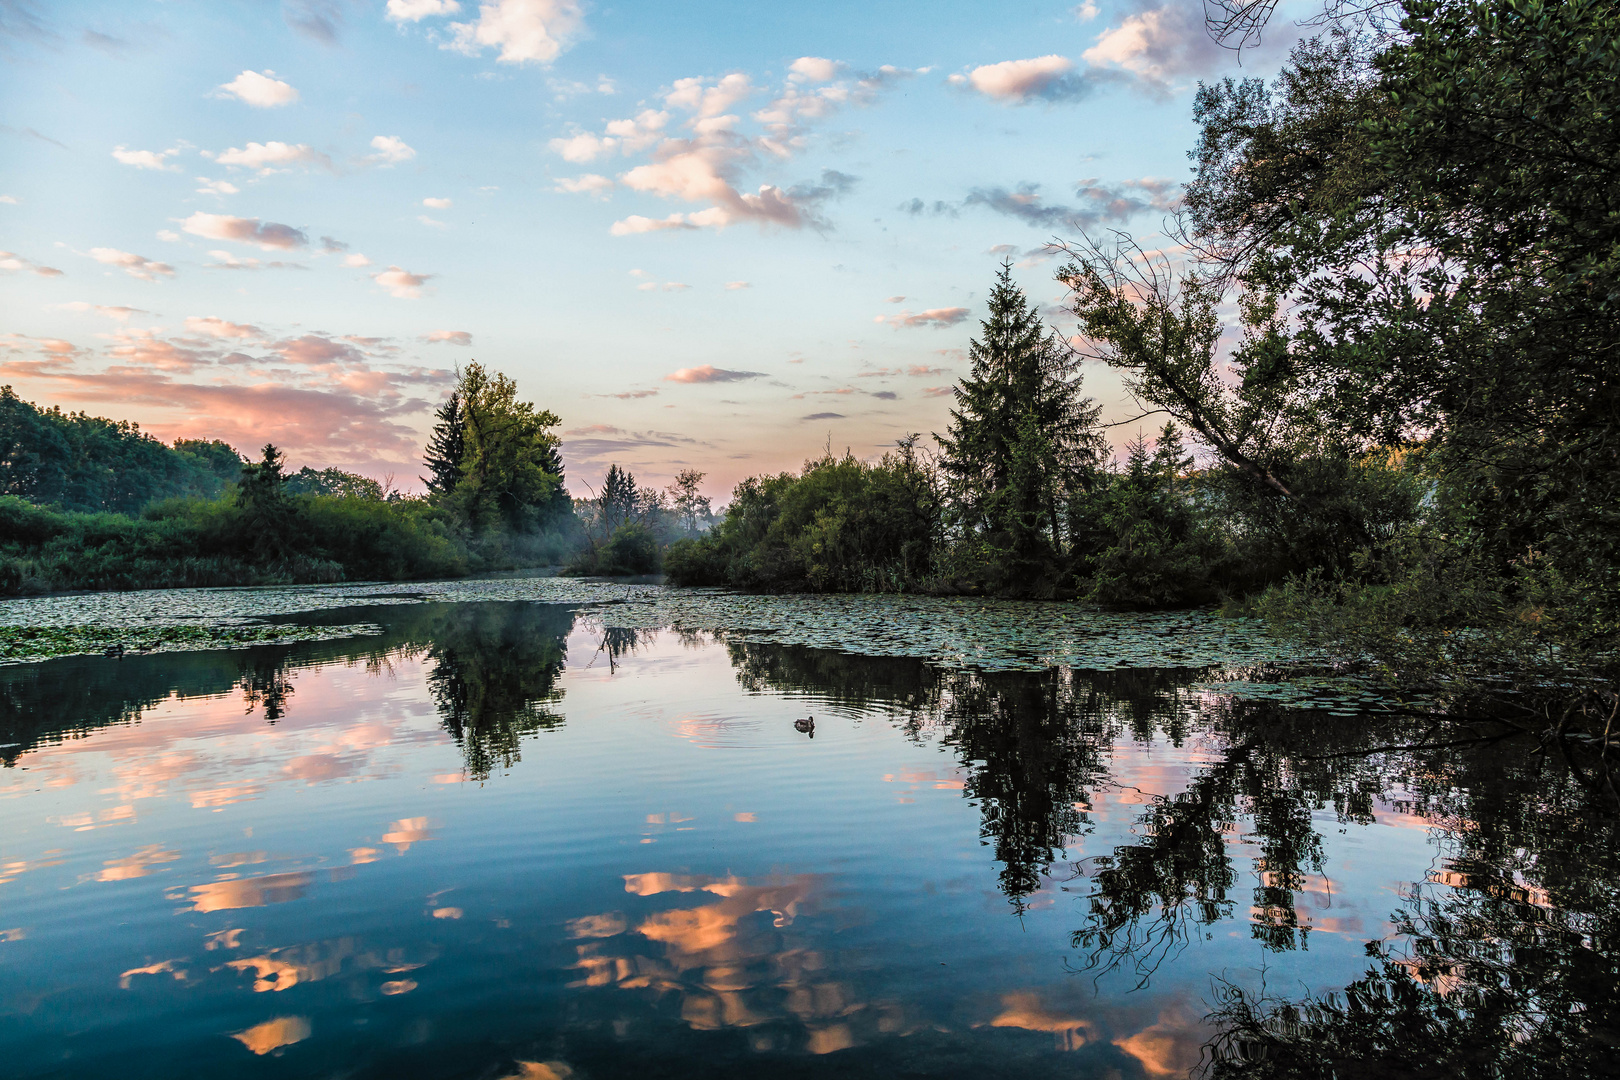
693	96
629	394
434	223
137	266
417	10
635	223
356	260
924	370
332	246
448	337
11	262
317	20
735	285
436	204
895	300
525	31
219	328
9	200
1085	12
588	184
1158	46
266	156
825	416
401	284
267	234
391	150
815	69
1100	203
942	316
146	159
120	312
224	260
938	391
595	429
1019	82
708	373
262	90
216	187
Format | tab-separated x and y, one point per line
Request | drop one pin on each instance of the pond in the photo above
538	829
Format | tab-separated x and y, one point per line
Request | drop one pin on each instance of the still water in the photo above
504	839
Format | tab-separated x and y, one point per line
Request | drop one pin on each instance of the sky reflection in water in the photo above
494	843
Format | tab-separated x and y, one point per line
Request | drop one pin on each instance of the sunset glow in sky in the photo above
713	235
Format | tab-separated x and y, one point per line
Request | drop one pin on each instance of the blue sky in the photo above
714	236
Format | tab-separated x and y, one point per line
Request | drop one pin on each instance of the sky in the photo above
720	236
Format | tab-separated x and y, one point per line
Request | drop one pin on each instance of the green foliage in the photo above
632	549
446	446
511	464
89	464
840	525
1021	438
331	481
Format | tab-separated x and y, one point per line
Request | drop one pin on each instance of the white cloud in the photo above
265	234
262	90
708	373
136	266
525	31
9	200
1086	12
217	327
815	69
734	285
356	260
436	204
391	150
448	337
1158	46
401	284
433	223
11	261
216	187
168	236
266	156
639	133
581	148
145	159
693	96
417	10
1019	82
945	316
588	184
121	312
635	223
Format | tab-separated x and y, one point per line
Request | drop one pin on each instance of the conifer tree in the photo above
446	447
619	498
1019	370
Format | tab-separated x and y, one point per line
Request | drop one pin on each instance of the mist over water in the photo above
507	839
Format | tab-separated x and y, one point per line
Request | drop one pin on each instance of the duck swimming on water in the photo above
807	725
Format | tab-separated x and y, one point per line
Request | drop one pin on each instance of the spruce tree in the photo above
446	447
1019	370
619	498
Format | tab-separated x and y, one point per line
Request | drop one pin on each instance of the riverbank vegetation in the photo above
1405	444
87	503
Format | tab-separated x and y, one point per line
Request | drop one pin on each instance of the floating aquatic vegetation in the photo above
991	635
27	644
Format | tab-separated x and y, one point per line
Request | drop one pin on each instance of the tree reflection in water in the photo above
1505	961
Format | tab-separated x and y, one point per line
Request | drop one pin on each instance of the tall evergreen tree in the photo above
619	498
1022	378
446	447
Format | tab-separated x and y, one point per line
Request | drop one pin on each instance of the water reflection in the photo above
1155	834
1504	960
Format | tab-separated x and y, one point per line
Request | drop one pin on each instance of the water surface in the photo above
511	839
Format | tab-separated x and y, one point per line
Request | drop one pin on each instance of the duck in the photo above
807	725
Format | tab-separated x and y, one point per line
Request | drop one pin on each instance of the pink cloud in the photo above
448	337
265	234
708	373
942	316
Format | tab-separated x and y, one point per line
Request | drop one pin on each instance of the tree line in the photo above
1405	446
